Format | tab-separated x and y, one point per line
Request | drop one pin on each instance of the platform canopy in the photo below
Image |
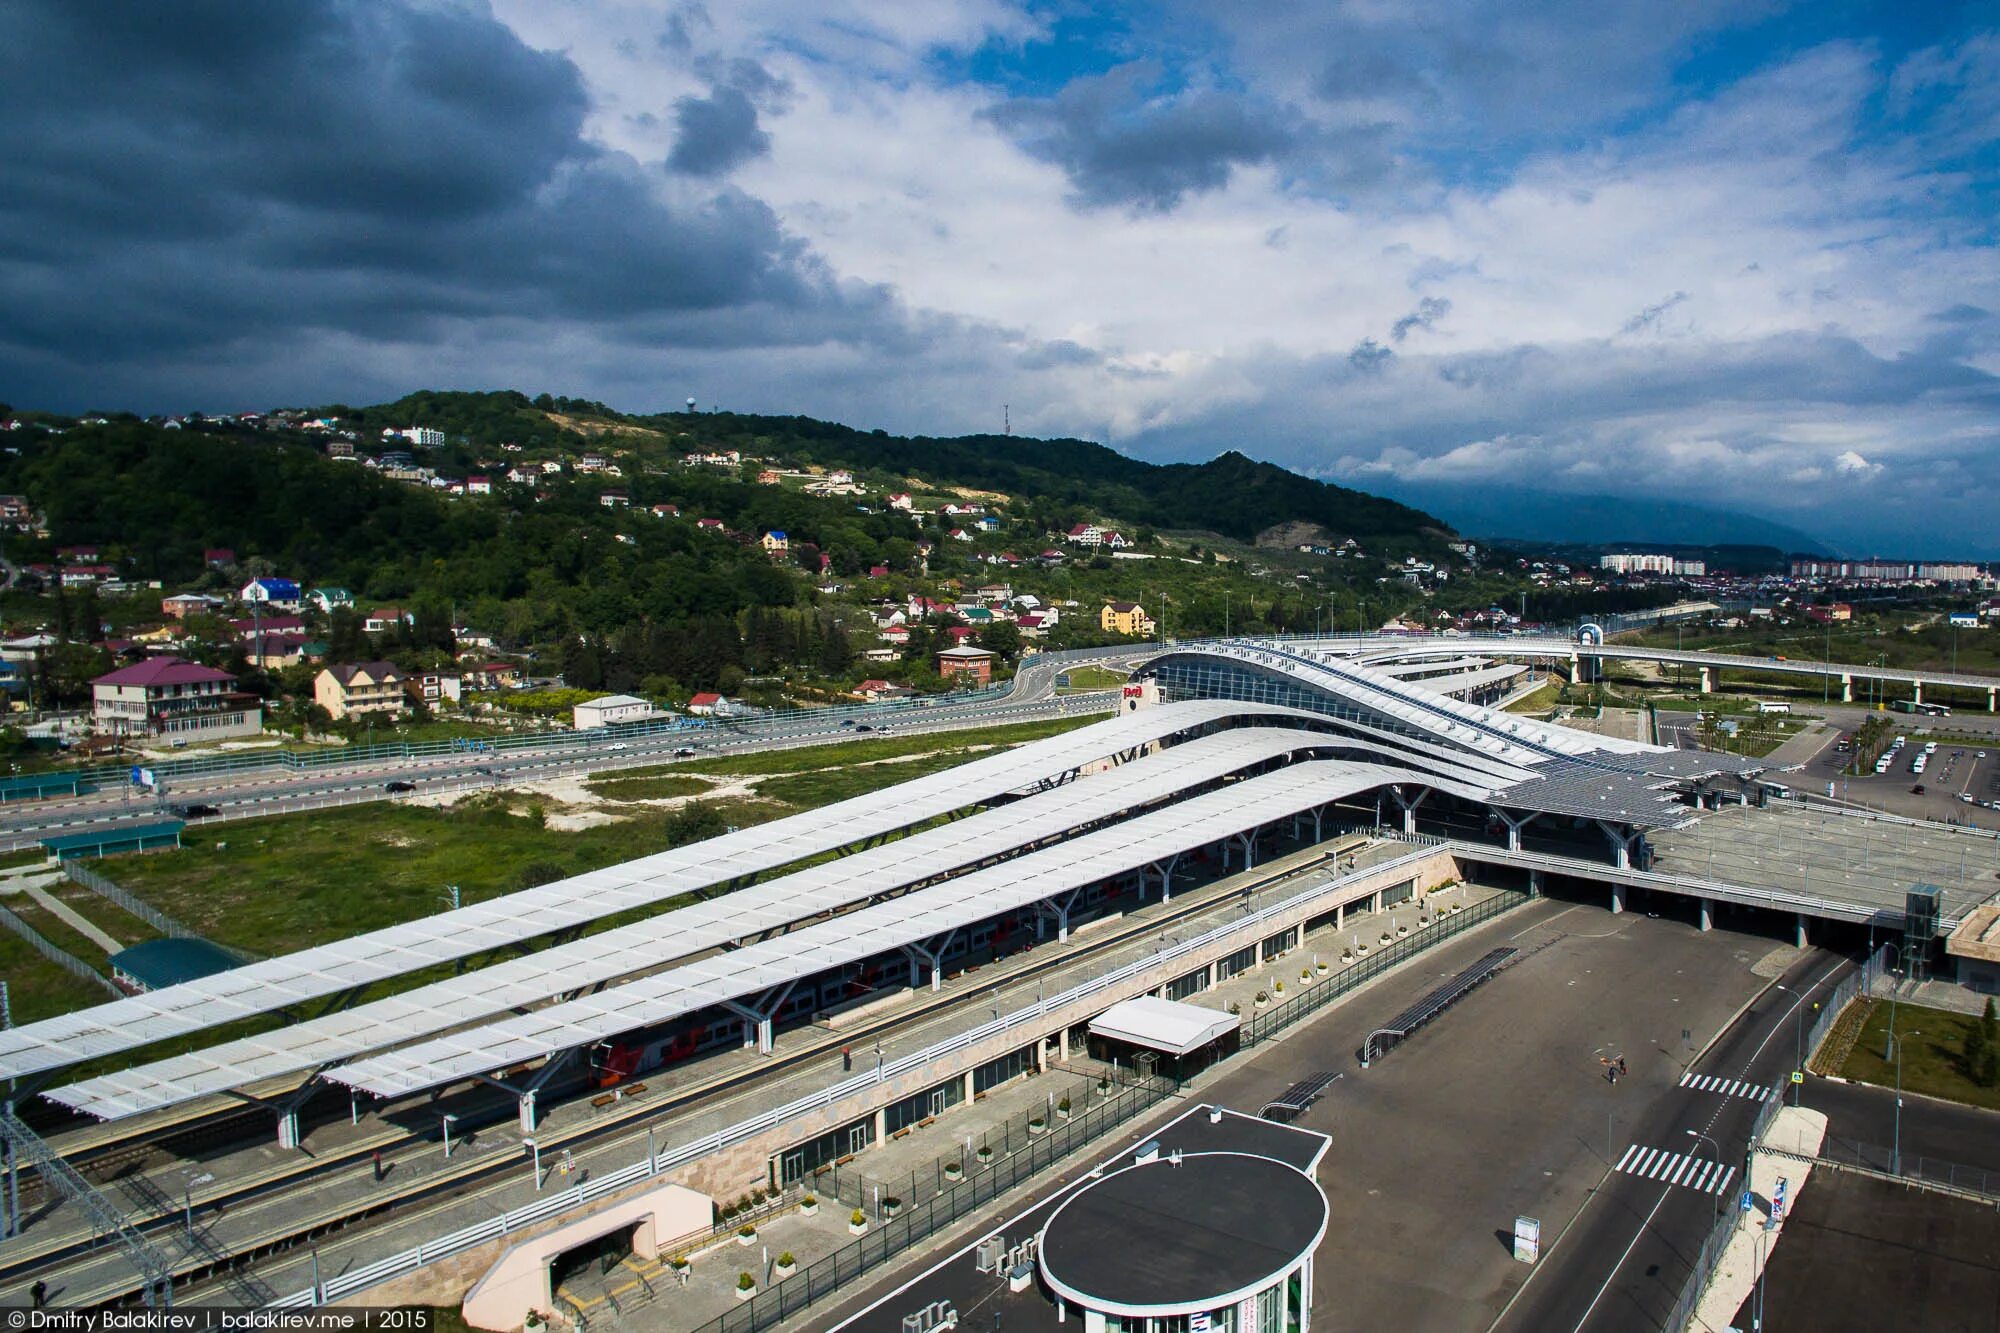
1167	1026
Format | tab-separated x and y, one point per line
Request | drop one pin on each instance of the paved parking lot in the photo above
1863	1253
1501	1107
1955	767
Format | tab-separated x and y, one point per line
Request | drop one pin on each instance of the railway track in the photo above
27	1258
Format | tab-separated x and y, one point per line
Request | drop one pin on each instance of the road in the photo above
262	792
1622	1263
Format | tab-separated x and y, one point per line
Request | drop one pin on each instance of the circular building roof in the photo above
1164	1239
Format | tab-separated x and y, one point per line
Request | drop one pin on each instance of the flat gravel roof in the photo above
1164	1235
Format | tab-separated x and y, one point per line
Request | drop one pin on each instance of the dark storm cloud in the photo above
184	182
1122	141
718	133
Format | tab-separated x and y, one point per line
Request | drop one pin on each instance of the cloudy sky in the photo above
1737	252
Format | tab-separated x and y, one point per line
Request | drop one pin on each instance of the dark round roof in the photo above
1160	1235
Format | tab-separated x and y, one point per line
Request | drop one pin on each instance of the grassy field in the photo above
1932	1041
1092	678
297	880
291	881
647	787
845	753
1541	701
36	987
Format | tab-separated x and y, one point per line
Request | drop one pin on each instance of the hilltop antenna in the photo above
1006	420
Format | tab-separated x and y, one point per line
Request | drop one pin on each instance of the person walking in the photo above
376	1158
38	1295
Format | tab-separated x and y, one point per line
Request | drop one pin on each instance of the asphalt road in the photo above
1500	1107
1935	1135
1622	1263
273	791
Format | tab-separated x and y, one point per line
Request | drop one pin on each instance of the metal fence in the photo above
1015	1134
146	912
1977	1183
1717	1240
885	1241
67	961
1325	990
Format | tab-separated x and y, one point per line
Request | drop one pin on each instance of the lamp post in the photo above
1716	1148
535	1148
449	1121
1896	1145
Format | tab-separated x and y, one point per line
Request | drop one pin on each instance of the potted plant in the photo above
985	1154
1346	955
787	1265
1360	951
891	1205
1278	987
1402	930
1062	1107
746	1286
809	1205
953	1170
1036	1124
533	1323
857	1222
1235	1006
1320	967
1263	998
746	1234
1104	1087
1385	937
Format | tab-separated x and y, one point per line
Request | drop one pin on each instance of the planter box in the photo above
1034	1128
785	1270
809	1209
745	1293
742	1239
856	1228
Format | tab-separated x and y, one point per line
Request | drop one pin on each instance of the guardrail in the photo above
295	761
612	1182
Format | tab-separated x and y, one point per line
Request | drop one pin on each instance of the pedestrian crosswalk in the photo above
1728	1087
1676	1168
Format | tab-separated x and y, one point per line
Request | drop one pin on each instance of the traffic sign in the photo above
1798	1076
1749	1202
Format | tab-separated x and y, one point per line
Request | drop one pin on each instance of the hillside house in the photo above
1127	618
966	663
172	699
353	689
280	593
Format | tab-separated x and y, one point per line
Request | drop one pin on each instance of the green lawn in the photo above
841	753
296	880
824	787
1093	678
651	787
36	987
1932	1041
1541	701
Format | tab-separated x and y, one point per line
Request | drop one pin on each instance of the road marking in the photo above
1704	1175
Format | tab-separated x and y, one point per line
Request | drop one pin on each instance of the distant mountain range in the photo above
1552	517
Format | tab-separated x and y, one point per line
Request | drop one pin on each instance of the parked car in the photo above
195	810
399	785
1917	790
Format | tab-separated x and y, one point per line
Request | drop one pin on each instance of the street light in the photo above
536	1149
1896	1146
1700	1138
449	1121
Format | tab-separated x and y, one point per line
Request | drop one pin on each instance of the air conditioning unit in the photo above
1148	1152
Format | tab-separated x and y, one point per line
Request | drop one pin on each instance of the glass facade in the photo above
929	1102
